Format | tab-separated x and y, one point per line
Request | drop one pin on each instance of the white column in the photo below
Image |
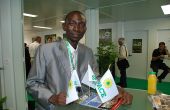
92	33
120	29
11	33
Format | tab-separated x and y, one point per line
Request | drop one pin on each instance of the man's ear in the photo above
64	26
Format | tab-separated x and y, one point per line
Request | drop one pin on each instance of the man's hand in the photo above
162	57
127	98
58	99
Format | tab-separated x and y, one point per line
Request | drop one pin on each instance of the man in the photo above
33	47
157	60
51	72
122	62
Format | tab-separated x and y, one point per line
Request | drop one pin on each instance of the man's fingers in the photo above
117	97
61	98
62	102
127	99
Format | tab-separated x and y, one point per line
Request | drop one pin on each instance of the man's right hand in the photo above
126	97
162	57
58	99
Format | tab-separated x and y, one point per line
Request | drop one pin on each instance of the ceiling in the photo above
50	12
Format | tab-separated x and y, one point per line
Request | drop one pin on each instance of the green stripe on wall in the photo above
142	84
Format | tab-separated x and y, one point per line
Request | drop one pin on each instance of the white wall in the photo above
28	35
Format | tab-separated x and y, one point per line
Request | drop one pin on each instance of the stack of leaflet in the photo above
90	99
160	101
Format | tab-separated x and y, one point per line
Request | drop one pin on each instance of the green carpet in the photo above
142	84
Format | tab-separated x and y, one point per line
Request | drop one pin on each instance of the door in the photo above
164	36
137	46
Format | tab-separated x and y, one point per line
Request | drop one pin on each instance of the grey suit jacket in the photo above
51	72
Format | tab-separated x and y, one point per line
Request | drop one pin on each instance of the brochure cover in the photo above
92	100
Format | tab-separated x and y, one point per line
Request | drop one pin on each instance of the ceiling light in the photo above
42	27
62	21
29	15
166	9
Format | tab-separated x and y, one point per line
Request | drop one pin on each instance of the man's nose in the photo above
76	28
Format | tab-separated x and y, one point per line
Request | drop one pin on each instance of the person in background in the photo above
33	47
158	56
27	60
49	39
31	103
122	62
49	76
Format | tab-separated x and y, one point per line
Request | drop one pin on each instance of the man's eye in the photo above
71	24
82	24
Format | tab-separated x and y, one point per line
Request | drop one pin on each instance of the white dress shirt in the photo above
32	48
74	56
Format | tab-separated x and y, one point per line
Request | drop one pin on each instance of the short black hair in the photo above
161	43
70	13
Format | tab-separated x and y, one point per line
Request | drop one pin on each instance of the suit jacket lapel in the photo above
64	58
82	62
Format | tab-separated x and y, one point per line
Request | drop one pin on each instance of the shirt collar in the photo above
72	49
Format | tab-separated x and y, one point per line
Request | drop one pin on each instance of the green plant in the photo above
2	100
106	53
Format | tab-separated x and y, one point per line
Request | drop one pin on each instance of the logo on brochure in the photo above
107	83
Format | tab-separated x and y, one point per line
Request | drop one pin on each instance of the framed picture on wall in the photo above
137	46
105	34
50	38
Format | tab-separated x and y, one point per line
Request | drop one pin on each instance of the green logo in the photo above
70	86
107	83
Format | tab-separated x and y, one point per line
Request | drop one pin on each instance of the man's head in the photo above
75	26
38	39
121	40
49	39
162	46
25	44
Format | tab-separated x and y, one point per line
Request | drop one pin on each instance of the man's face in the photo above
120	42
161	47
75	27
39	40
